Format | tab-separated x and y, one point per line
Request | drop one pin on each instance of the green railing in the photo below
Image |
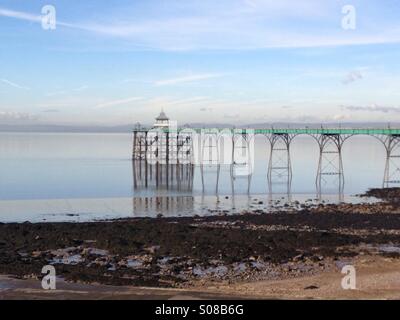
346	131
330	131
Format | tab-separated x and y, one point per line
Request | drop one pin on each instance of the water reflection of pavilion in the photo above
161	177
165	205
155	185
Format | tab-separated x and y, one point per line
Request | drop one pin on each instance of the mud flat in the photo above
221	253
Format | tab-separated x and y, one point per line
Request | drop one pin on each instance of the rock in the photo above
22	254
299	257
312	287
152	249
78	242
36	254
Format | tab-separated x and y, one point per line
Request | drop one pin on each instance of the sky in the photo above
227	61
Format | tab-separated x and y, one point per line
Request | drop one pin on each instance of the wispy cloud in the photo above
204	109
186	79
56	93
231	116
352	76
162	102
243	25
20	15
81	88
340	117
11	115
13	84
61	92
117	102
373	108
129	80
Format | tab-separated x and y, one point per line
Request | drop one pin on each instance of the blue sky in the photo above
236	61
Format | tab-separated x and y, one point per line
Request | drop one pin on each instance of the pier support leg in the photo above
185	160
392	166
139	149
279	165
242	158
330	162
210	157
139	156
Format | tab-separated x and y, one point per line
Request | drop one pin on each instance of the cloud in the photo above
186	79
51	111
352	76
9	115
129	80
13	84
173	103
117	102
20	15
56	93
248	25
373	108
231	116
308	118
340	116
62	92
26	16
204	109
81	88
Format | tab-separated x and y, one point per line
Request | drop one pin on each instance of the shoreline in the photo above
173	206
370	271
224	252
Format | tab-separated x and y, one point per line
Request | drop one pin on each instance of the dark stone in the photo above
311	287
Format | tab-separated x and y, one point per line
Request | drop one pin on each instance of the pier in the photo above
164	154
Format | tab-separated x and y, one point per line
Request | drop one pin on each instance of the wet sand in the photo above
30	289
296	253
377	278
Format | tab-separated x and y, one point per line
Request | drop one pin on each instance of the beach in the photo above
298	252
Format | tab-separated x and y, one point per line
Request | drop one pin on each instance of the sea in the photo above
50	177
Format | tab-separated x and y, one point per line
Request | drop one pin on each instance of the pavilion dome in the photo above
162	117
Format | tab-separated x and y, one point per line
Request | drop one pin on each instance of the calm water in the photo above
58	177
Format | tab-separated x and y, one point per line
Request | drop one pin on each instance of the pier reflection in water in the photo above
161	180
160	177
161	189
